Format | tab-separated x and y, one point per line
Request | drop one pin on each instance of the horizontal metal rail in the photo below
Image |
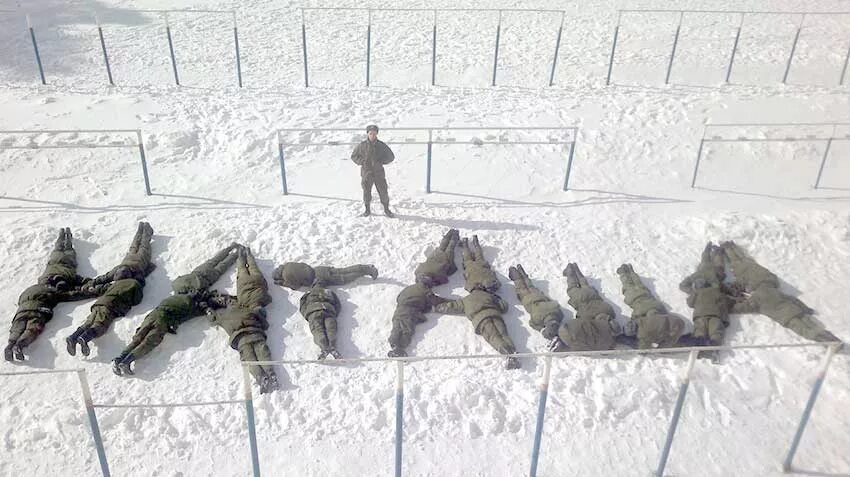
788	139
425	143
530	10
184	404
40	371
184	11
427	128
64	131
70	146
735	12
711	125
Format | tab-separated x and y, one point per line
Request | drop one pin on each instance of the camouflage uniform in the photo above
545	313
477	273
295	275
372	157
711	269
320	307
440	264
208	272
595	326
412	304
650	323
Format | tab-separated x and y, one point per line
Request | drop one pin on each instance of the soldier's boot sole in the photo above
84	346
18	352
126	369
373	272
322	355
116	368
397	353
71	345
512	362
7	353
366	213
335	354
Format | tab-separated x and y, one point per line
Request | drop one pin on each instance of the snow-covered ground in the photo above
215	177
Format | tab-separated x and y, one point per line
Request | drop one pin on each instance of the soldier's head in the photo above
372	132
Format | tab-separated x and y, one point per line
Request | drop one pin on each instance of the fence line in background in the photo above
828	139
139	143
570	133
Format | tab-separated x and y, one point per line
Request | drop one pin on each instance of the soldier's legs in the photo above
366	182
251	263
808	327
248	353
345	275
571	272
466	253
317	328
494	331
447	239
383	190
700	328
716	330
401	334
15	332
330	330
148	342
551	323
34	327
477	251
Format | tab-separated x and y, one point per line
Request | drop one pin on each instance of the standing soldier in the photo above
484	309
372	155
545	313
58	283
245	321
477	272
412	304
440	264
650	324
295	275
595	326
320	307
208	272
765	297
124	290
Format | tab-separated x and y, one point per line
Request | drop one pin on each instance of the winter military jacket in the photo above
319	301
772	302
710	302
659	329
238	321
199	279
121	296
539	306
587	334
479	273
138	267
294	275
414	301
439	266
62	264
588	303
173	311
641	301
477	306
372	156
713	273
253	291
752	275
39	300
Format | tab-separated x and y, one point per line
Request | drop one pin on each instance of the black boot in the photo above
397	353
511	362
367	212
7	352
18	351
84	339
388	212
335	353
71	342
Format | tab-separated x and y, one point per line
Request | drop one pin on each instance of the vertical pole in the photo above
613	49
793	49
823	162
304	49
541	413
557	47
496	54
699	156
673	53
368	47
807	412
144	162
569	164
103	47
95	428
844	70
434	52
35	47
249	414
428	166
171	50
734	49
238	57
282	165
399	415
683	391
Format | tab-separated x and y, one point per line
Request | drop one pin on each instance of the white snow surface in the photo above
214	172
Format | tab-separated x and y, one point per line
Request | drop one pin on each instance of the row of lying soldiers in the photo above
243	316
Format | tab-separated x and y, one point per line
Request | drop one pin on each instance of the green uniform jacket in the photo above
238	321
414	301
439	266
121	296
197	280
477	306
319	300
173	311
39	300
641	301
371	157
658	329
294	275
588	303
253	291
752	275
62	264
770	301
710	301
586	334
479	273
539	306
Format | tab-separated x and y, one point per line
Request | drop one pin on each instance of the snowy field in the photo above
214	173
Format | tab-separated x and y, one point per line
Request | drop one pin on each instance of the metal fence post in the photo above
823	162
304	49
399	415
282	165
103	47
249	414
734	49
428	166
699	156
368	47
557	47
541	414
793	49
238	57
844	69
496	54
677	411
673	53
613	48
95	428
434	52
569	164
171	49
35	48
807	412
144	162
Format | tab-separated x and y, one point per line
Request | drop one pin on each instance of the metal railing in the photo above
826	138
77	145
570	134
743	13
